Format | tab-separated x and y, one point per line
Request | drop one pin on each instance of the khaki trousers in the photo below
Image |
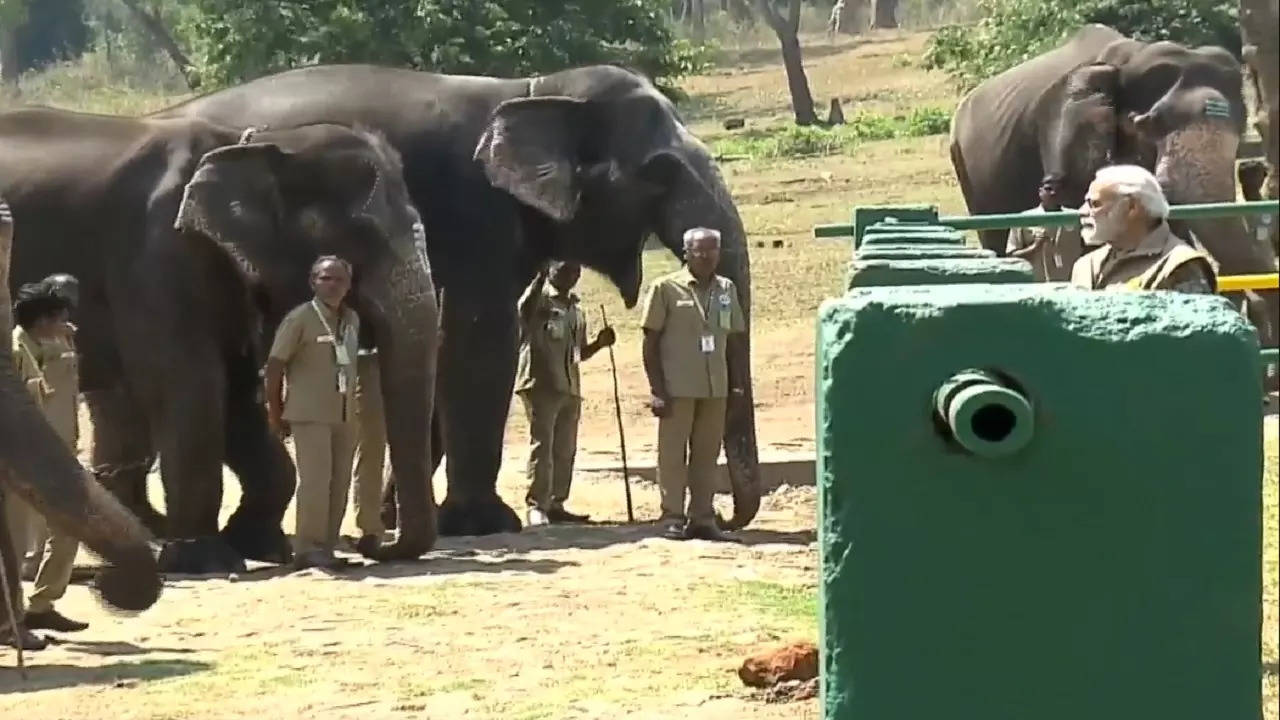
371	446
324	452
553	444
689	440
57	555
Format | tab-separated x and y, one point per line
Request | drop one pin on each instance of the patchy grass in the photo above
794	141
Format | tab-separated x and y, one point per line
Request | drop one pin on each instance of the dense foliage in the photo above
1012	31
48	30
236	40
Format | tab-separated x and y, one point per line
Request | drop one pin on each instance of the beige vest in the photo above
1147	267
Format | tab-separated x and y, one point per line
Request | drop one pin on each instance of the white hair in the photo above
698	233
1136	182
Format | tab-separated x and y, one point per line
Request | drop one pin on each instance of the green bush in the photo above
1012	31
797	141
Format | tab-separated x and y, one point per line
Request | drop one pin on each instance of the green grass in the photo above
794	141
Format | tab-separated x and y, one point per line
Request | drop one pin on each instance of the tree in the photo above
848	17
787	30
13	15
1258	22
236	40
155	27
885	14
1012	31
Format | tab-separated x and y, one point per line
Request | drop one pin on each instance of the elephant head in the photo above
277	201
602	161
36	466
1177	111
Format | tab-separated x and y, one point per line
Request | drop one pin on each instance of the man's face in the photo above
331	282
1102	217
702	253
1049	196
564	276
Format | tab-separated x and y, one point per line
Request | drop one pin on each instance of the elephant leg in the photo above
476	373
122	453
389	498
190	433
265	471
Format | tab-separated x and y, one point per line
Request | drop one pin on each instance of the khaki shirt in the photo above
1162	261
1057	250
50	371
551	346
684	316
312	375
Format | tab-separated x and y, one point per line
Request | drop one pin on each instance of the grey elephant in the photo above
1101	98
191	240
579	165
36	466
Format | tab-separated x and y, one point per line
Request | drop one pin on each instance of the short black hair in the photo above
35	302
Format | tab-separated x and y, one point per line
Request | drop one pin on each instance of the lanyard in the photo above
697	300
327	328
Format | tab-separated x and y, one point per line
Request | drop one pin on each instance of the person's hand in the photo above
658	404
606	337
279	426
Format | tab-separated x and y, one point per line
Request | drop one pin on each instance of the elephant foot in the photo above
210	555
483	516
257	541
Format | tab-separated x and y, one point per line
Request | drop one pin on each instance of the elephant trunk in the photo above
37	466
405	326
700	198
1196	164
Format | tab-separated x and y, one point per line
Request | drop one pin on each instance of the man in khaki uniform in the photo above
45	356
553	339
691	317
9	554
1052	251
371	448
1126	213
314	350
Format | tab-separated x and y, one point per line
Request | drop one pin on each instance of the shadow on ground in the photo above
508	553
123	674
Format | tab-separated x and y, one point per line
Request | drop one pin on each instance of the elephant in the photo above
191	240
1101	98
37	466
582	165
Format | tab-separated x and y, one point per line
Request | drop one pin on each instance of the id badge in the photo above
342	383
708	343
340	352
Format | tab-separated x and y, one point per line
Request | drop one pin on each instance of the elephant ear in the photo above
532	149
234	199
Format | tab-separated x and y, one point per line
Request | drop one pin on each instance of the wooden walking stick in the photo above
617	411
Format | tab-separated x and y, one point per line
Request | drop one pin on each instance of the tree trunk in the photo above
155	26
1258	21
9	58
797	82
885	13
699	20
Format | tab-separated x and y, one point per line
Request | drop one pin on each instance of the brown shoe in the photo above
29	640
53	620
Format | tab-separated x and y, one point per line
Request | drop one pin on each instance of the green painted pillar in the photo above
934	271
1038	503
864	217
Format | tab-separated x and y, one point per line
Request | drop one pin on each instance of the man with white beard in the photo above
1126	214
